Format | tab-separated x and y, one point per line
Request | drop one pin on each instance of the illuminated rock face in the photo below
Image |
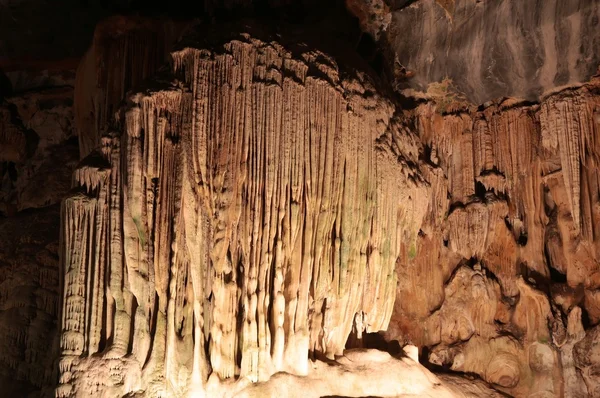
493	49
250	211
501	280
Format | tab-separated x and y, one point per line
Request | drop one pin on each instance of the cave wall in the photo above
39	133
508	252
493	49
503	241
124	52
38	154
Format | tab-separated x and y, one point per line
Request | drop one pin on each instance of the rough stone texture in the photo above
124	52
507	251
468	233
587	358
470	387
374	16
29	302
219	246
493	49
37	159
38	154
41	125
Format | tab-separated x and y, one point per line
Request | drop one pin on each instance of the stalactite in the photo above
258	206
125	51
249	211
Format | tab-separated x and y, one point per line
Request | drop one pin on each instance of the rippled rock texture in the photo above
38	155
124	52
259	203
262	205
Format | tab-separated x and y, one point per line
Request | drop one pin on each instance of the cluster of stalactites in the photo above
514	194
248	220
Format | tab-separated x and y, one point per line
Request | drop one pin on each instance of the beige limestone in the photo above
242	219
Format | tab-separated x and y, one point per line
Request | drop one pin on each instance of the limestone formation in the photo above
258	205
586	354
493	49
124	52
29	307
245	215
254	212
37	159
374	16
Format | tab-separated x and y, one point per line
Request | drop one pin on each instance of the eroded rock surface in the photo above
507	251
259	204
586	354
124	52
29	276
37	158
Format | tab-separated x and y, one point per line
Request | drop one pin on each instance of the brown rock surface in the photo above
496	48
522	199
38	154
586	355
124	52
29	276
218	245
37	159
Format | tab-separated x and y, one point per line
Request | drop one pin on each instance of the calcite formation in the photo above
509	245
248	213
38	154
374	16
494	49
258	212
37	159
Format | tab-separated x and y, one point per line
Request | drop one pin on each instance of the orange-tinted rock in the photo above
469	232
516	202
586	355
